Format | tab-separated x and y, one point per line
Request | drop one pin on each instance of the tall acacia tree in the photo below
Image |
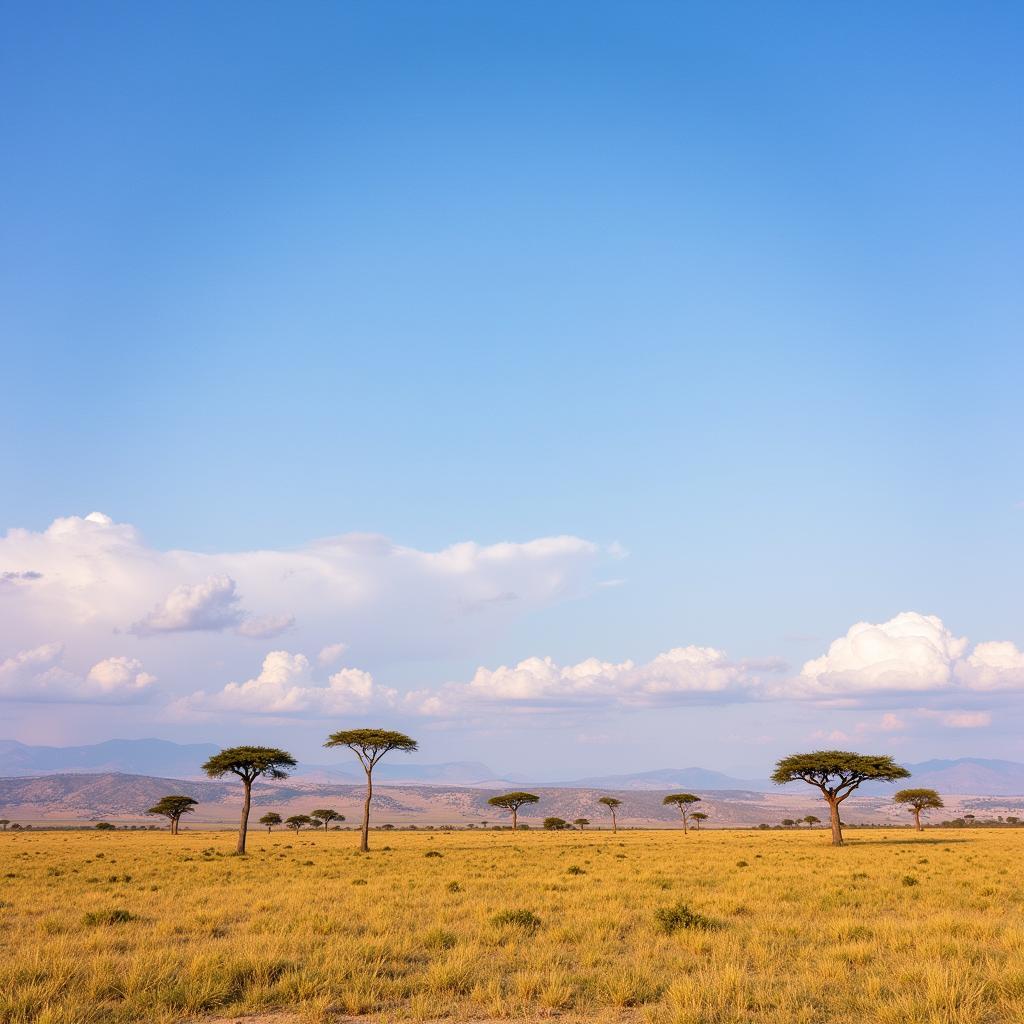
249	764
684	801
172	808
837	773
370	745
512	802
611	803
918	800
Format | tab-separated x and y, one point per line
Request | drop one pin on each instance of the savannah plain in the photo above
717	927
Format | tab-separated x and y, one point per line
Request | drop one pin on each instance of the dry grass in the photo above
788	928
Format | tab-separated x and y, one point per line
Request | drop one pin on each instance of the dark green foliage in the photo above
672	919
525	919
108	917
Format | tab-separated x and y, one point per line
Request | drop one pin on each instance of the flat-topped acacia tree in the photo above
270	819
611	803
684	801
837	773
698	817
322	818
512	802
370	745
172	808
249	763
918	800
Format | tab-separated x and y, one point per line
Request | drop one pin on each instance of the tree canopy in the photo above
250	763
919	799
513	801
370	745
325	815
610	801
173	807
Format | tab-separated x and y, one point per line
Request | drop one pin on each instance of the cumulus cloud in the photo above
994	665
286	686
331	653
213	604
38	675
92	577
909	653
679	676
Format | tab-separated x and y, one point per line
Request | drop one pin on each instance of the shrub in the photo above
526	919
574	869
453	887
910	880
433	853
671	919
107	917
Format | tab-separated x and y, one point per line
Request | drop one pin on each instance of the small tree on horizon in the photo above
811	820
4	822
370	745
249	764
788	822
611	803
297	821
270	819
837	773
325	816
512	802
684	801
918	800
172	808
581	823
555	824
698	817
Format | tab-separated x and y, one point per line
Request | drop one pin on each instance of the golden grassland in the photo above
894	928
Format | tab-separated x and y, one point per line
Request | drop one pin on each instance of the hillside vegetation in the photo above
713	928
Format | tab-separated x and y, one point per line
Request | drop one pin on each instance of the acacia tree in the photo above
4	822
698	817
684	801
370	745
296	821
918	800
811	820
172	808
581	823
249	763
325	816
512	802
837	773
270	819
611	803
555	824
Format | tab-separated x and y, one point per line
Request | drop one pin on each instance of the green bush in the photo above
525	919
106	917
672	919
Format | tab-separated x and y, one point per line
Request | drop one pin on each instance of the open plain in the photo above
717	927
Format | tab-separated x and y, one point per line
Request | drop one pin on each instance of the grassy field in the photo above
895	928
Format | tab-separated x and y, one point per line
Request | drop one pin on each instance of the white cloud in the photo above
266	627
994	665
331	653
38	675
679	676
909	653
213	604
286	686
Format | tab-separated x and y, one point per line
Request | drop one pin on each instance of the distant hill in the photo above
696	779
124	798
143	757
970	775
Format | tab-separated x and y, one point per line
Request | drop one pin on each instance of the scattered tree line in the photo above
835	773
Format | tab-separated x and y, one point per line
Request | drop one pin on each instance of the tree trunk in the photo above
515	817
683	813
174	826
917	819
243	825
615	824
364	844
837	829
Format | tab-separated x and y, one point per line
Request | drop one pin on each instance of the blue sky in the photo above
731	293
